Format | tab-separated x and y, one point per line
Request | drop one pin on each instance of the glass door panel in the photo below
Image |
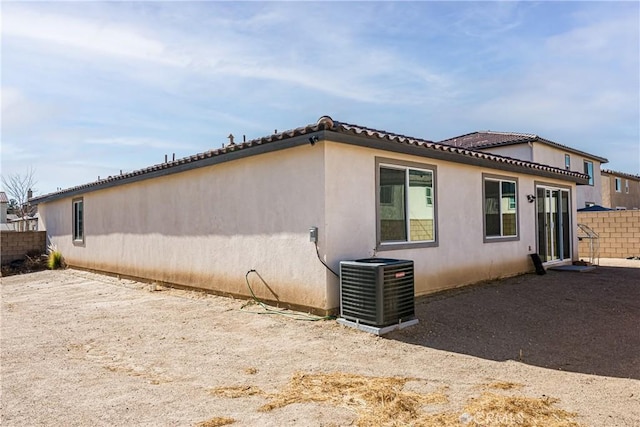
554	227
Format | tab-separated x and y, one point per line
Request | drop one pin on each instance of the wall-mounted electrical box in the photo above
313	234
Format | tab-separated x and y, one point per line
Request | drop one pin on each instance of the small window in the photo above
78	220
618	185
406	208
500	208
386	194
567	162
626	186
588	170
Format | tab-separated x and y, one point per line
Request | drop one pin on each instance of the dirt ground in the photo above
83	349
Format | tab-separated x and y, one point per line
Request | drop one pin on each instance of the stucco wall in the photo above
461	256
552	156
620	199
618	232
516	151
207	227
606	190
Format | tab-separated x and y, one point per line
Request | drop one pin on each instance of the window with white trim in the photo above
618	185
78	220
567	161
626	186
407	202
500	208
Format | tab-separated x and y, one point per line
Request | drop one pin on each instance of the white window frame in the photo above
406	167
626	186
501	238
567	161
78	221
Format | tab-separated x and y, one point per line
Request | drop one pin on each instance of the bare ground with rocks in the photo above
84	349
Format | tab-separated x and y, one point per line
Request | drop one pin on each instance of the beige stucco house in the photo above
620	190
4	204
533	148
205	221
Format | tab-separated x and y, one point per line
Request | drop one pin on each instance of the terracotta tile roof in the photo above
488	139
3	197
620	174
324	128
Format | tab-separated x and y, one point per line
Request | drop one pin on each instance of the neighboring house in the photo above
13	222
4	204
620	190
532	148
208	220
29	223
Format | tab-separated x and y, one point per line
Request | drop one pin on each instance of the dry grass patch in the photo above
250	371
149	376
498	410
504	385
377	401
380	401
235	392
216	422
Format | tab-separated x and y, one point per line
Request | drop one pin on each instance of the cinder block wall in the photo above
619	233
15	244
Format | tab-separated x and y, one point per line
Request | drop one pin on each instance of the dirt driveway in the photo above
84	349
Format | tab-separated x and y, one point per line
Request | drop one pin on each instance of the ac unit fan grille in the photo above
375	294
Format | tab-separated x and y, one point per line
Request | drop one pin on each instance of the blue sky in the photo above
92	88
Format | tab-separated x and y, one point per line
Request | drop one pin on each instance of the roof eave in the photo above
323	130
178	166
418	149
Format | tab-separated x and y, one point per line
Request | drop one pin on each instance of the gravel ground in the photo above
83	349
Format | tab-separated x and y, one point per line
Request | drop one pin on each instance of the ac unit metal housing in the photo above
377	291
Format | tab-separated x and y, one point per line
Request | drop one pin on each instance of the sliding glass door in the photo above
553	223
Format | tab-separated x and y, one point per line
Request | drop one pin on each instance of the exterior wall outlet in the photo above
313	234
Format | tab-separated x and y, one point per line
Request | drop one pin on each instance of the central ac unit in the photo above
377	291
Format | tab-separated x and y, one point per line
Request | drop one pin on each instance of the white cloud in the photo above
19	112
16	152
599	41
583	79
335	62
84	34
488	19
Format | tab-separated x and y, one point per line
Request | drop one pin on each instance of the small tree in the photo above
20	188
